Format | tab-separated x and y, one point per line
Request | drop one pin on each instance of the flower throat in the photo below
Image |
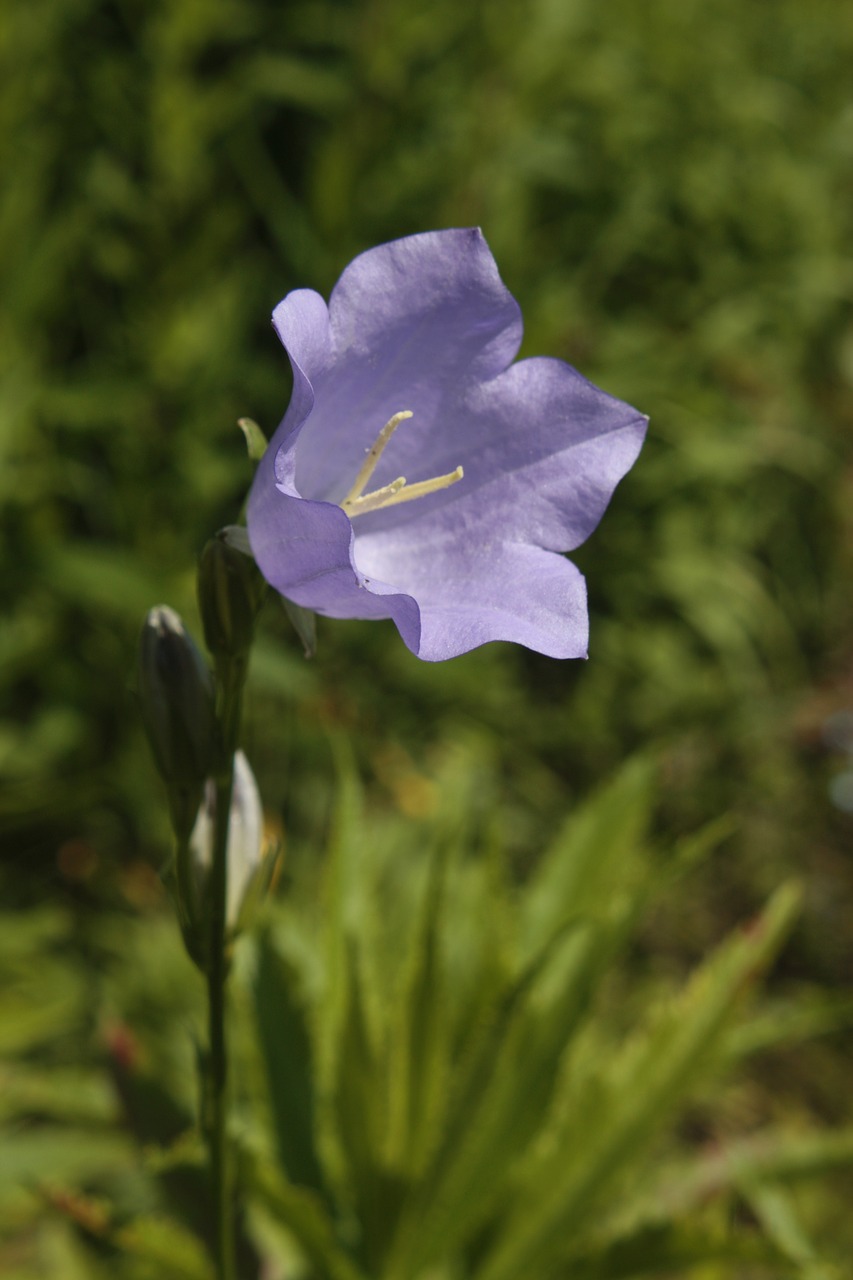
359	503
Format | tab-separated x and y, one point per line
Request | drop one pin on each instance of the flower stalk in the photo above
229	607
230	679
217	1062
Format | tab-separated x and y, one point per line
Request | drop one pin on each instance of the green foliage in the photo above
667	189
439	1069
452	1094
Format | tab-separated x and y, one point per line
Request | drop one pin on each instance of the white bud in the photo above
245	839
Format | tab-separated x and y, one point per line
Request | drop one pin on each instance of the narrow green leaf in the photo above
777	1215
283	1024
593	856
788	1022
33	1156
500	1092
351	1097
360	1107
419	1037
771	1156
69	1094
30	1017
610	1129
693	849
663	1249
303	1214
63	1254
162	1243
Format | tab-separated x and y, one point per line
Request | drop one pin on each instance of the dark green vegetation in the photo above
668	189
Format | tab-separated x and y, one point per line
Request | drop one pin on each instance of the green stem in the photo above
231	678
217	975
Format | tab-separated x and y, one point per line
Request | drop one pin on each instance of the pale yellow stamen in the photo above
373	501
374	453
359	503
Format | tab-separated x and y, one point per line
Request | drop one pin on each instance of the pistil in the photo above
359	503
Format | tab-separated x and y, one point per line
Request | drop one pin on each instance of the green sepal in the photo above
256	441
304	623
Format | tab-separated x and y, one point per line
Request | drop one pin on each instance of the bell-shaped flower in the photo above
418	473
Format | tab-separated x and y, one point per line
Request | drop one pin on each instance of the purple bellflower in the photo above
418	473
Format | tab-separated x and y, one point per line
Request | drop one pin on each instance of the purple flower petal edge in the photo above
425	324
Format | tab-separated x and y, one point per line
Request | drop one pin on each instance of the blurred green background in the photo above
668	190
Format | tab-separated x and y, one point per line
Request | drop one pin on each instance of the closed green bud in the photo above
231	590
177	699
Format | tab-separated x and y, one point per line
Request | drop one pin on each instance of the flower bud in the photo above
230	593
178	710
250	864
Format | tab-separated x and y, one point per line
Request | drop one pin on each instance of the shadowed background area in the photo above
667	189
